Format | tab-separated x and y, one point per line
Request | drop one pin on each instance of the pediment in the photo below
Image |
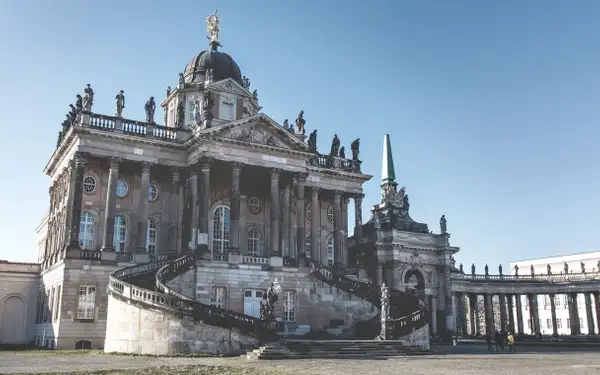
263	131
230	86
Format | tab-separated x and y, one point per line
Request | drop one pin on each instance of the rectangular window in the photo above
51	305
218	296
558	323
526	303
57	298
86	302
289	306
549	323
227	108
528	323
38	314
546	302
569	322
45	307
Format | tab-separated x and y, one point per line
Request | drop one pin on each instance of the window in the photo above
254	205
120	236
528	323
86	230
569	322
308	245
57	303
546	302
549	323
330	252
255	246
289	306
86	302
152	192
221	222
556	301
227	108
151	236
89	184
526	303
308	210
45	306
122	188
558	323
330	215
580	322
218	296
192	103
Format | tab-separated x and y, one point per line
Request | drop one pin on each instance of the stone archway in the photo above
13	321
414	279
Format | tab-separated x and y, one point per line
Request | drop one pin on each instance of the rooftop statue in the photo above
245	82
443	227
255	96
150	108
343	152
566	268
473	269
487	270
181	79
516	270
549	269
500	270
300	123
335	146
532	270
460	268
197	113
312	142
120	98
582	267
88	98
79	103
207	104
168	90
212	26
355	149
179	116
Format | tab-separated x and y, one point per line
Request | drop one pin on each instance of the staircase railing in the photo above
407	312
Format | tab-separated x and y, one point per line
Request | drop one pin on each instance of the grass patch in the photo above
51	352
61	352
173	370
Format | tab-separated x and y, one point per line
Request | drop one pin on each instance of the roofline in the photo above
556	256
43	221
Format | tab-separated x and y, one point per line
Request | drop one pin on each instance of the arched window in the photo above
255	243
86	230
221	222
330	252
151	236
120	236
308	245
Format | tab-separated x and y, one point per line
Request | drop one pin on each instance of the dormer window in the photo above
227	107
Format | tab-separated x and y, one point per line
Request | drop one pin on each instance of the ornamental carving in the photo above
255	134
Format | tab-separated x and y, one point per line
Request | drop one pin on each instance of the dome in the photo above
222	66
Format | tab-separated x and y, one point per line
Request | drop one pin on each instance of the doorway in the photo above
252	299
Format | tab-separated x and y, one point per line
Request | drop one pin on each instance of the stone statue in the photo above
312	142
473	269
443	227
516	270
88	98
335	146
300	122
168	91
79	103
120	98
207	105
267	303
286	124
212	26
181	79
582	267
179	116
150	108
343	152
197	114
385	300
460	268
245	82
255	96
208	77
500	270
549	269
532	270
566	268
355	149
487	270
72	115
405	203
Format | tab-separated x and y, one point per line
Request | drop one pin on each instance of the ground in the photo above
466	360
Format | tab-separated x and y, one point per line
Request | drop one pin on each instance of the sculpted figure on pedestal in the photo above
255	96
88	98
486	269
355	147
120	98
473	269
443	226
566	268
312	142
150	108
532	270
79	103
335	146
582	267
500	270
516	270
549	269
179	116
300	122
343	152
168	91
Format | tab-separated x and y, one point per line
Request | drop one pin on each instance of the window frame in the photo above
218	296
84	183
223	229
86	243
120	233
86	307
152	226
289	308
330	251
257	242
120	184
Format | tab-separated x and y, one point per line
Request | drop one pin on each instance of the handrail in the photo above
551	278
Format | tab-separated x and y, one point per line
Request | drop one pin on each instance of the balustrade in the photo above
326	161
128	126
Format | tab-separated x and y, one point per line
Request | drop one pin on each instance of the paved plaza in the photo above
448	360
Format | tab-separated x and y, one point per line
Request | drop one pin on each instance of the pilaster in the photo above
111	205
205	207
143	208
337	227
76	171
194	218
174	212
300	214
285	244
315	218
275	250
234	240
358	198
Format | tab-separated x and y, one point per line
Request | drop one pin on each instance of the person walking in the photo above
488	341
511	343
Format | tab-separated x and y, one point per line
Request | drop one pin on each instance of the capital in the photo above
205	165
302	177
115	162
176	176
80	158
358	197
275	173
315	191
146	166
337	194
236	168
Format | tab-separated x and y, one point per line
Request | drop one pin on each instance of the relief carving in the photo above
255	134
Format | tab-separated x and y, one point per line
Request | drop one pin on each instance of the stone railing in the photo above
127	126
334	162
552	278
248	259
407	313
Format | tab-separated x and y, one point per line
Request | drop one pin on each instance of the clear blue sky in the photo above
493	107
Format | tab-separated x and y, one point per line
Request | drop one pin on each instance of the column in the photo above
453	312
142	227
511	314
434	316
519	306
473	314
292	220
463	313
315	218
275	251
300	215
337	228
285	244
534	314
503	319
553	314
573	313
193	218
111	205
75	198
345	203
173	213
590	314
597	300
205	206
358	198
181	207
234	239
489	314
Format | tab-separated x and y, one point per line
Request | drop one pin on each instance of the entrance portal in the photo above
252	299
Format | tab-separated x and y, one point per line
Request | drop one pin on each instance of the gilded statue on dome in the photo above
212	26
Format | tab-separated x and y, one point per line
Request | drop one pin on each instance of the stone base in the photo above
141	257
276	261
108	255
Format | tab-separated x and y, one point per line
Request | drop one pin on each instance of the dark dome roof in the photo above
221	64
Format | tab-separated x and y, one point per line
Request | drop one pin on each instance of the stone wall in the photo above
419	337
135	329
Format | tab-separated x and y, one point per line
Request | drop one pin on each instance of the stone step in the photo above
275	356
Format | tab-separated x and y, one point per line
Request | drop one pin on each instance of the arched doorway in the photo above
13	321
414	279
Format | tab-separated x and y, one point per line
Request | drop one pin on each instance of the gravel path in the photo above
546	363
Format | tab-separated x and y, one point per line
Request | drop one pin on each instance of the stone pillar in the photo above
194	216
205	206
358	198
300	214
434	313
474	314
234	239
345	232
503	320
181	207
337	228
173	214
489	313
511	314
275	251
589	314
463	314
597	300
519	308
573	313
454	310
244	224
75	198
142	227
315	216
111	206
553	315
285	239
533	313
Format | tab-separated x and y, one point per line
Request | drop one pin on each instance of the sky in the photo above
493	108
